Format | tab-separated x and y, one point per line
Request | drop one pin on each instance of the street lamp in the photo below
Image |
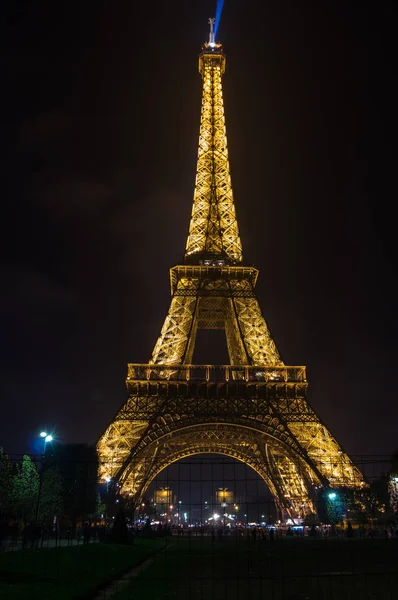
223	506
47	438
236	507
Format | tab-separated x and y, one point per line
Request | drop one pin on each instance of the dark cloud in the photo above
77	199
28	290
47	128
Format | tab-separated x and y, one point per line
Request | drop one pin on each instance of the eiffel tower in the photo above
255	409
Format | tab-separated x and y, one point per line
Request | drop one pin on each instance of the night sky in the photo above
100	108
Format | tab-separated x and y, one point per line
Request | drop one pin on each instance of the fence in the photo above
208	527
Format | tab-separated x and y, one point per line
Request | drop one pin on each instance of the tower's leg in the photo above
293	494
175	343
236	348
256	336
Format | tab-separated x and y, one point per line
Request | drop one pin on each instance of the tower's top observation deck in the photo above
212	53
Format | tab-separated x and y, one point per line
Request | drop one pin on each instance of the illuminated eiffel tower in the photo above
255	409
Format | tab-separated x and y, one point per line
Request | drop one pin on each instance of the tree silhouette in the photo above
25	489
5	483
51	494
100	507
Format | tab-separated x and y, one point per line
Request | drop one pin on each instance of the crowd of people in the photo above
15	535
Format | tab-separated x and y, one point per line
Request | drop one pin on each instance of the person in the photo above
14	530
27	534
271	535
101	533
254	534
3	530
289	531
86	532
36	535
350	531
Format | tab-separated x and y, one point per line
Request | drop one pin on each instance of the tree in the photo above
392	486
78	466
51	494
119	533
25	489
5	483
335	507
365	505
393	493
394	465
100	508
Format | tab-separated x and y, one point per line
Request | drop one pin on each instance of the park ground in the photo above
207	569
287	569
68	573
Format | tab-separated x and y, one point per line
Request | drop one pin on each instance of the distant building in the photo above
224	496
164	496
164	505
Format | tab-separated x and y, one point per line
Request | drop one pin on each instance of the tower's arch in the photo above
199	451
272	459
193	484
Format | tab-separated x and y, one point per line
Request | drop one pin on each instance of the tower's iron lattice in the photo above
255	409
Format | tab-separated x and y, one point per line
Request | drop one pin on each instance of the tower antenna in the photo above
211	35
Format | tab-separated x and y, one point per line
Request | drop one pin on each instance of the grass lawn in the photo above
67	573
287	569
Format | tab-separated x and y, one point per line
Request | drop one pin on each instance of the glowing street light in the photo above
47	438
332	495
